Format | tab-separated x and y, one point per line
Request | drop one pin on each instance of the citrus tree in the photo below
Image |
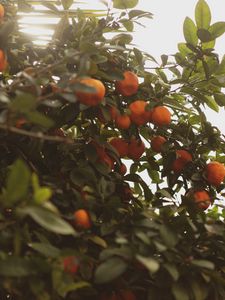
77	222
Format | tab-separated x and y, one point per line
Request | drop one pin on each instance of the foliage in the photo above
146	235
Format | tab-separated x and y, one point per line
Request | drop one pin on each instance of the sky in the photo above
162	34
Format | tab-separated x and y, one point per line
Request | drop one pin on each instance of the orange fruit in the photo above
157	143
183	157
70	264
215	173
82	219
120	145
129	85
160	116
135	149
113	112
91	98
2	11
3	61
202	199
123	169
106	159
139	115
178	165
123	121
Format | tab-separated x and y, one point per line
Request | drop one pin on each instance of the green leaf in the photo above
42	194
129	25
211	103
179	292
150	263
110	270
48	220
124	4
169	237
220	99
17	182
204	35
16	267
136	13
172	270
39	119
217	29
46	249
203	264
202	15
23	103
190	32
67	3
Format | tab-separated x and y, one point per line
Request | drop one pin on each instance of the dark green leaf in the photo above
17	182
179	292
46	249
110	270
170	238
47	219
39	119
204	35
202	15
16	267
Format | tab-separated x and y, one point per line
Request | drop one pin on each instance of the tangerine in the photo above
123	169
120	145
139	115
129	85
184	155
82	219
123	121
157	143
3	61
160	116
215	173
202	199
135	149
70	264
91	98
2	11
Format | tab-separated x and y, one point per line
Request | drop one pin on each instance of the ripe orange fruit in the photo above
123	121
106	159
215	173
113	112
129	85
183	157
139	115
82	219
70	264
2	11
120	145
91	98
160	116
123	169
202	199
3	61
135	149
157	143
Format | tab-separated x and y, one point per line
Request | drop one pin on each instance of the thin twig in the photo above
37	135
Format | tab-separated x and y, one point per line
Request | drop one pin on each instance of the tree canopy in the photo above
77	222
